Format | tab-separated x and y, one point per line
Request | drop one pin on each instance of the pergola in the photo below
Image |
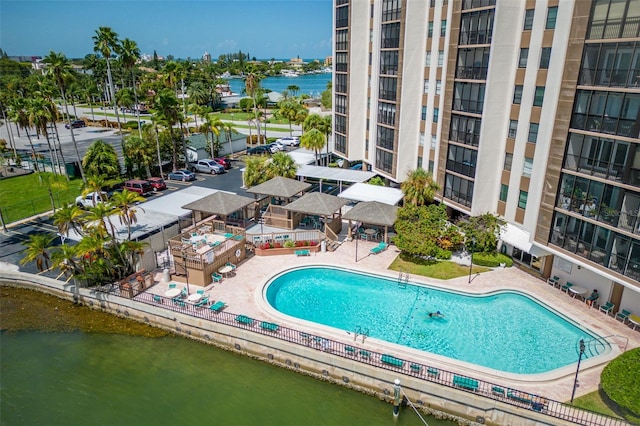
320	204
374	213
220	203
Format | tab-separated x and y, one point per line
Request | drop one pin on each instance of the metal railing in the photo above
387	361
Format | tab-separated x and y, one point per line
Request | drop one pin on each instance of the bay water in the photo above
309	84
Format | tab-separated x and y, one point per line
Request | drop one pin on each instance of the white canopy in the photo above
334	174
365	192
519	238
172	202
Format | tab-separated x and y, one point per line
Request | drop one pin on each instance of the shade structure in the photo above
373	212
519	238
220	203
316	203
366	192
280	187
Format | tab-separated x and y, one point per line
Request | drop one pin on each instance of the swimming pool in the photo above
505	331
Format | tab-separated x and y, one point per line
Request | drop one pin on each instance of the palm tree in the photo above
293	89
59	67
198	93
140	152
69	218
64	258
166	111
52	182
419	188
281	164
105	42
125	100
313	140
229	129
98	217
20	116
255	170
288	109
129	55
101	159
39	117
124	202
37	250
251	87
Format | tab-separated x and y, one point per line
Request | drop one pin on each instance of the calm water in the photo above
506	331
310	84
97	379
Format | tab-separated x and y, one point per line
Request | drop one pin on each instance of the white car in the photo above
91	199
280	146
289	141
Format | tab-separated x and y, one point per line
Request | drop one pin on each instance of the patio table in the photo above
577	291
225	270
194	298
173	292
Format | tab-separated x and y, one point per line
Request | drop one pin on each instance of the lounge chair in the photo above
497	391
555	281
172	285
243	319
607	308
216	277
433	372
200	292
465	383
203	302
269	326
391	360
382	246
218	306
416	368
228	235
566	287
623	315
157	298
302	252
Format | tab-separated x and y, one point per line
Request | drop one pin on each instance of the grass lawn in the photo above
24	196
440	269
599	402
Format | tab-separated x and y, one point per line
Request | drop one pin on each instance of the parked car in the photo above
76	124
157	183
224	162
183	175
206	166
280	145
142	187
91	199
273	148
258	150
289	141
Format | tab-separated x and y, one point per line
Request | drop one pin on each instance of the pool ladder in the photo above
403	279
359	331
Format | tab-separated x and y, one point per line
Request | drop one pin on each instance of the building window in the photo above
424	113
524	54
390	36
522	199
342	16
440	57
340	124
342	40
552	13
473	63
391	10
388	87
533	132
436	112
528	165
340	143
528	19
458	189
386	113
468	97
517	95
342	61
539	96
341	83
545	57
426	86
430	170
421	142
462	160
434	139
513	128
614	19
384	160
438	86
340	104
443	28
465	129
385	138
419	165
476	27
508	159
388	62
430	31
427	59
504	191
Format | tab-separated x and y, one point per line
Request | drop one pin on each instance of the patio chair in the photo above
566	287
233	267
203	302
607	308
623	315
555	281
200	292
172	285
184	292
218	306
216	277
157	298
382	246
302	253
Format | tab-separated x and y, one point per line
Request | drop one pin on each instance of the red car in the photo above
157	183
224	162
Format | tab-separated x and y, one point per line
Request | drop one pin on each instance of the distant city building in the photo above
328	61
528	109
206	57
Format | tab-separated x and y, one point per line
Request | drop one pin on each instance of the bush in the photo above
289	244
132	125
492	260
620	380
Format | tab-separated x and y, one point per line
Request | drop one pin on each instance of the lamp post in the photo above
356	238
575	380
473	244
186	271
159	158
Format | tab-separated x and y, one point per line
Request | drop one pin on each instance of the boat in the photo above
289	73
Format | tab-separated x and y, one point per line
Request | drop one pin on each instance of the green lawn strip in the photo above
599	402
24	196
440	269
620	382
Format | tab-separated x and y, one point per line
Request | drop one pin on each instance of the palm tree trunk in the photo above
73	137
93	117
11	141
59	149
52	157
115	106
229	139
135	97
33	152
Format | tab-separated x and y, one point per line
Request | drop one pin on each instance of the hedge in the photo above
491	260
620	380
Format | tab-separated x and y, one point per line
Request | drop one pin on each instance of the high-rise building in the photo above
528	109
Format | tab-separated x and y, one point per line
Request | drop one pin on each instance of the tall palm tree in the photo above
65	258
281	164
419	188
98	217
101	159
251	87
140	152
129	55
229	129
37	250
20	116
293	89
313	140
40	117
288	109
213	125
124	202
166	111
59	67
52	182
69	218
105	42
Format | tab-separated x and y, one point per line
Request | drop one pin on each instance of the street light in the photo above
473	244
186	271
575	381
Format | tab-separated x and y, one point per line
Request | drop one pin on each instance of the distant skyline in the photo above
264	29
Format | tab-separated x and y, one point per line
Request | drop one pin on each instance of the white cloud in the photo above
226	46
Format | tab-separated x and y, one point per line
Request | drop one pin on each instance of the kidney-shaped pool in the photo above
505	331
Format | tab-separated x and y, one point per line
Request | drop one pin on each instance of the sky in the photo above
265	29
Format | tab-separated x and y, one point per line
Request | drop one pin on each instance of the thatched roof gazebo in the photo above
220	203
280	187
320	204
374	213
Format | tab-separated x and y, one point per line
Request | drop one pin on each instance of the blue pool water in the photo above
505	331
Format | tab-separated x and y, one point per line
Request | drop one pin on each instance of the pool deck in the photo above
242	293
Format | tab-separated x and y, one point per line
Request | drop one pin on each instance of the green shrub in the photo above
620	380
289	244
131	125
492	260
